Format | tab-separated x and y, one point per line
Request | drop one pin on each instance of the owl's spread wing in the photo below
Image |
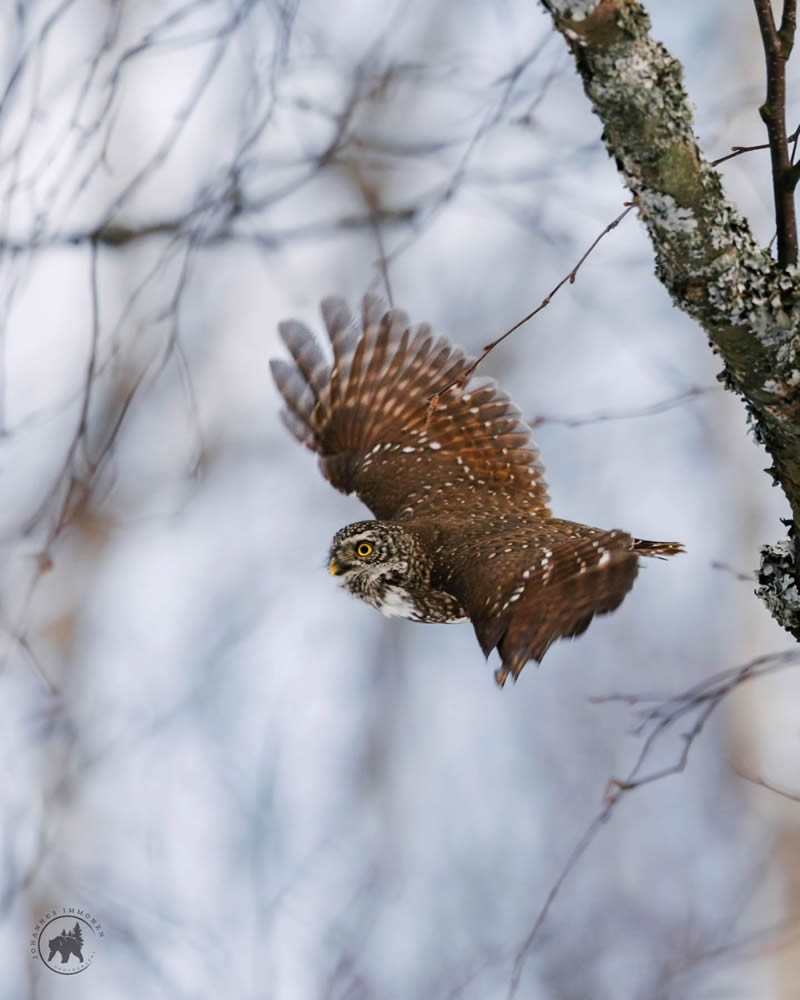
524	590
370	418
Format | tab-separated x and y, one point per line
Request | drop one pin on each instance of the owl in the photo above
463	530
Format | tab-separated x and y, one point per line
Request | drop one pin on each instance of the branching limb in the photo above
661	715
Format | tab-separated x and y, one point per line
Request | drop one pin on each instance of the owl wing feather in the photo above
391	421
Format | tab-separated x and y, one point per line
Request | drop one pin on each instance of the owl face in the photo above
387	565
378	562
363	553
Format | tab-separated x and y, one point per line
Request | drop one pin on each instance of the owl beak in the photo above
334	568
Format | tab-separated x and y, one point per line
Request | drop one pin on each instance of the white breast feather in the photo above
396	604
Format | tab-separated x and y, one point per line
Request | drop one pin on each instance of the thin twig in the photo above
738	150
699	701
371	197
737	574
662	406
570	277
791	796
578	851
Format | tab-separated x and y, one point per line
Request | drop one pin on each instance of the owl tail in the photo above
658	550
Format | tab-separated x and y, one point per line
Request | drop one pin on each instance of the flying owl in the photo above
463	530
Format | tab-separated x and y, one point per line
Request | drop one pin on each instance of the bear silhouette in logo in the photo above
68	943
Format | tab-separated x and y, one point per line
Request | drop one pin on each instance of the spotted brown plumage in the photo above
463	529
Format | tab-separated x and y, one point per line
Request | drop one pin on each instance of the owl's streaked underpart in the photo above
463	529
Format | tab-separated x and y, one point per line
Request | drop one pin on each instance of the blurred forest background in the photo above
262	788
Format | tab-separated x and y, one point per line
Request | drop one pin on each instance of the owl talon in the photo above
501	676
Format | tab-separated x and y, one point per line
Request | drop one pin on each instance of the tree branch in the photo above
706	256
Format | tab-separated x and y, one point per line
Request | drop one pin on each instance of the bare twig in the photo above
699	702
777	49
756	780
569	277
738	150
578	852
662	406
371	196
735	573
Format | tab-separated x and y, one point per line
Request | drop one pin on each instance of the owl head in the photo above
376	559
388	565
368	551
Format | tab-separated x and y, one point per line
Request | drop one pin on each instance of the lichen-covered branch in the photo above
706	256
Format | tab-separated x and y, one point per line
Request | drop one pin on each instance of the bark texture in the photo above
706	256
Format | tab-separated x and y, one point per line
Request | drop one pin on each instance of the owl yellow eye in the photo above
364	549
